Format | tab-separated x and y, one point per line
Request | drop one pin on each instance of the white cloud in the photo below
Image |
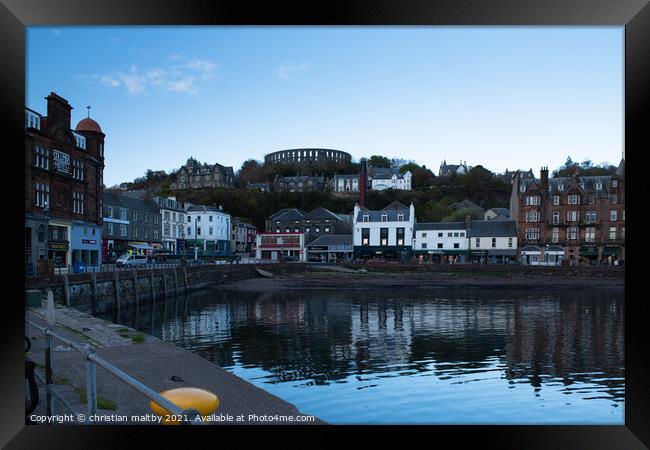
285	70
179	78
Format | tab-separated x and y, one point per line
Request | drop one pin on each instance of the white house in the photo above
173	221
346	183
441	242
208	229
394	180
384	234
492	241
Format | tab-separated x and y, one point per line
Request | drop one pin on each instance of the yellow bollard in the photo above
203	401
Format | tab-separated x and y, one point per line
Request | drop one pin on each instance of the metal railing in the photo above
93	360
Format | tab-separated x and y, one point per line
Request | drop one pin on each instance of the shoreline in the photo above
440	280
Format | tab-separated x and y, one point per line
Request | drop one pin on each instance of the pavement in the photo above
157	364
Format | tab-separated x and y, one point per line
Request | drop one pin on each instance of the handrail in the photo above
92	358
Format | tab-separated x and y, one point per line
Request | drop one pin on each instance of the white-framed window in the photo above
32	120
423	245
166	229
109	211
612	233
123	213
462	234
599	186
574	199
81	140
556	200
572	233
522	187
556	217
532	216
155	233
590	234
572	216
78	202
614	198
532	200
209	218
555	235
623	233
510	242
189	219
532	233
135	215
384	217
110	228
450	234
560	187
134	231
123	230
613	215
41	157
400	217
366	218
101	150
590	216
327	229
41	195
146	218
477	242
210	230
494	242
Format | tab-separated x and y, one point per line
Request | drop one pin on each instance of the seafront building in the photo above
207	231
387	233
63	189
196	175
579	219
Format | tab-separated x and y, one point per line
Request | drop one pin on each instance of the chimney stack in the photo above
58	112
543	174
468	223
363	181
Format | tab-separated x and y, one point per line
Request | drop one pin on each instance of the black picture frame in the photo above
15	15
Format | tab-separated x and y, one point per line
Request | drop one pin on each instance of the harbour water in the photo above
412	357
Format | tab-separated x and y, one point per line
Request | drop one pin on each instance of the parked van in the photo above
127	260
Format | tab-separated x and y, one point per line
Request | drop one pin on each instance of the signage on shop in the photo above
57	245
88	241
61	161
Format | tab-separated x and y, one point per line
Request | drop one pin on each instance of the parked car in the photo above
133	260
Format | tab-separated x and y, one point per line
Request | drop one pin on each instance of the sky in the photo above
502	97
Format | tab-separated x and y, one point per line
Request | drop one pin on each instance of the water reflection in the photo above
439	357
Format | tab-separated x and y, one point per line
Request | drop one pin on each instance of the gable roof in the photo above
493	228
332	239
440	226
321	213
288	214
465	204
395	206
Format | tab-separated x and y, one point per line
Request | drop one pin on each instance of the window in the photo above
210	230
623	233
572	233
109	211
198	218
560	187
123	230
462	234
146	217
400	236
590	234
612	233
327	229
110	228
317	229
135	231
32	120
384	217
509	242
198	231
613	215
146	233
155	220
439	234
572	216
78	172
494	242
400	217
532	200
166	215
556	200
365	236
383	236
574	199
296	230
155	234
307	230
614	198
366	218
556	217
135	216
123	213
41	195
189	219
591	199
439	245
555	235
456	245
590	217
450	234
478	242
599	186
210	218
424	235
455	234
532	233
522	188
41	157
532	216
166	230
78	202
423	245
101	150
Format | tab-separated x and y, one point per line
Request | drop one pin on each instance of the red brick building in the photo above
63	188
576	218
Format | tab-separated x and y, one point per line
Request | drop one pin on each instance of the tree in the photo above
379	161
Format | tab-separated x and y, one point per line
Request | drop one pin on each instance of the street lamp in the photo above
546	255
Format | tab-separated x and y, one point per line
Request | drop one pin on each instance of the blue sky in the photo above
502	97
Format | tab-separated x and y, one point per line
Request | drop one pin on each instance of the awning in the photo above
611	251
588	251
141	246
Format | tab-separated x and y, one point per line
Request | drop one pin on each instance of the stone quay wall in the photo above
100	292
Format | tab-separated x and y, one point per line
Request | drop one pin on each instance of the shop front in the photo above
478	256
611	254
86	246
554	255
58	244
274	246
589	254
501	256
531	255
388	253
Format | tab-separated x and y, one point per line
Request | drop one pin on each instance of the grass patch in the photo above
102	402
123	330
138	338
